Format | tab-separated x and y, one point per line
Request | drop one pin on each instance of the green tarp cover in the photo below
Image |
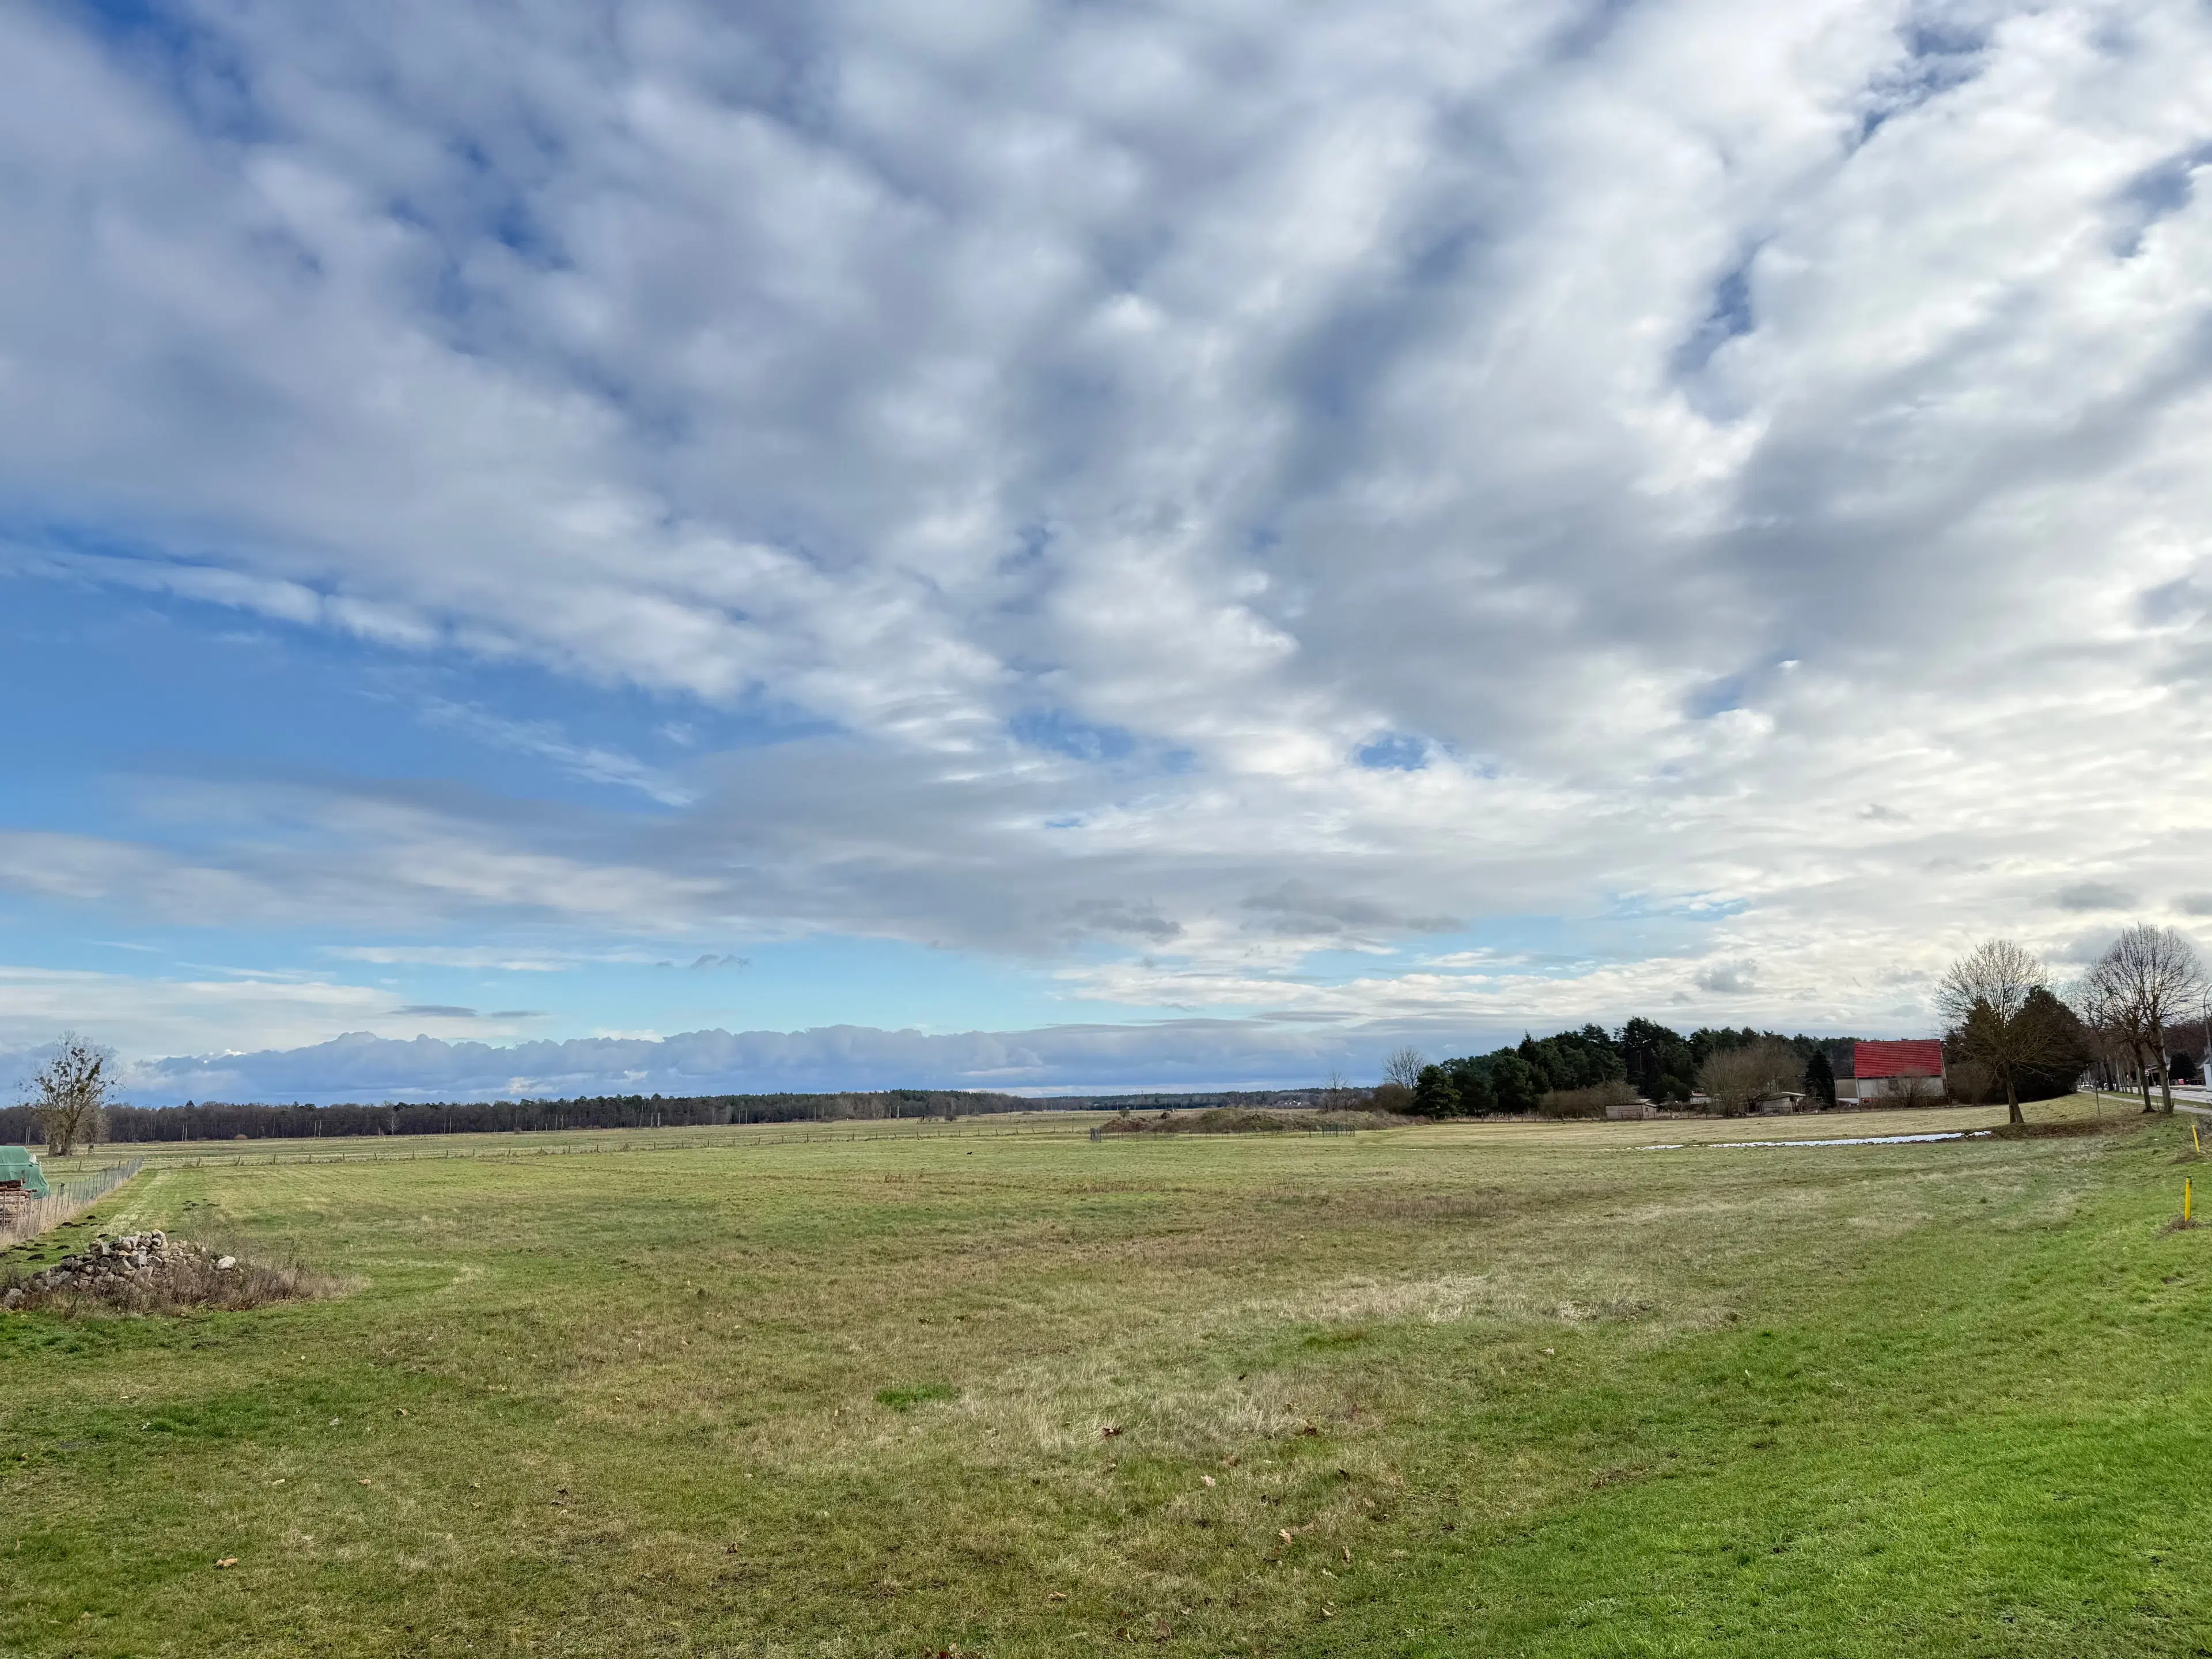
17	1164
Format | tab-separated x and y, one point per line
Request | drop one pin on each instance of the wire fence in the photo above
1102	1132
518	1148
68	1199
314	1152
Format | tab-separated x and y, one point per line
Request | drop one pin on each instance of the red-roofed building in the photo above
1885	1070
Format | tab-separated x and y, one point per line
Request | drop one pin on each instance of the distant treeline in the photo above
224	1120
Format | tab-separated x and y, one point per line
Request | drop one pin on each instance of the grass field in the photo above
1489	1389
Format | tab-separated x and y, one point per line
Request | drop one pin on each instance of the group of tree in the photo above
2127	1003
2019	1037
2010	1034
1574	1072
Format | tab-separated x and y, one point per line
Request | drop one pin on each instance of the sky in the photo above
551	547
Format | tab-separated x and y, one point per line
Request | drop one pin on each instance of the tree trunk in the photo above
2142	1080
2012	1099
2164	1087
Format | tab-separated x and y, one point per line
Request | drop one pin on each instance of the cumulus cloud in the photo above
1213	486
1727	979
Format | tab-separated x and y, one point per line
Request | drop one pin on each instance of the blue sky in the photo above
1041	547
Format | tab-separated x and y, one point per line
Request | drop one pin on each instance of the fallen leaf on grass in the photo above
227	1561
1284	1534
1109	1431
1207	1478
1057	1596
1347	1555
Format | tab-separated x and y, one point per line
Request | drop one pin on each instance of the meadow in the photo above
998	1390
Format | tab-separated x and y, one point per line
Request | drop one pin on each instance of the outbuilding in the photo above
21	1178
1884	1073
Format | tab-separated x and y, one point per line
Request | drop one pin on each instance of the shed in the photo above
20	1171
1887	1071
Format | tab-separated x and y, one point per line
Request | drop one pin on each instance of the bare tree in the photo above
69	1092
2146	977
1403	1067
2092	1002
1984	997
1735	1079
1911	1093
1335	1092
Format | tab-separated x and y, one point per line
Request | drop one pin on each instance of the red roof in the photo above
1920	1057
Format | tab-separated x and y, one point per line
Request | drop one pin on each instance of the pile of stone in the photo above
113	1266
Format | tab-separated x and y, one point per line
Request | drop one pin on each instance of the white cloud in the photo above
142	1016
1749	453
545	739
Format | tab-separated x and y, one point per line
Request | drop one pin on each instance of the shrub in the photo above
1586	1103
1229	1120
1733	1078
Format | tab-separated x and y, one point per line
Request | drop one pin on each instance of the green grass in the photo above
1506	1390
905	1399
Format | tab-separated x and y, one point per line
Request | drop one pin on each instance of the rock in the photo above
225	1264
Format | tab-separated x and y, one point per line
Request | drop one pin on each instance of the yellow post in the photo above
2184	1198
2193	1140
